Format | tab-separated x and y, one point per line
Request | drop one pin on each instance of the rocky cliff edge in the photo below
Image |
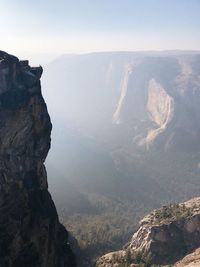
30	232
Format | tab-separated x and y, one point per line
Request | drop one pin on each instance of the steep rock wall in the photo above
30	232
160	108
123	90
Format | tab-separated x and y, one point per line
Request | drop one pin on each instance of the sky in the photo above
43	29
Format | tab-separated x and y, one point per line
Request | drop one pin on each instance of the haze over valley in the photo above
125	139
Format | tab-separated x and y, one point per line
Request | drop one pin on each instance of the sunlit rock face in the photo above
30	232
160	108
123	91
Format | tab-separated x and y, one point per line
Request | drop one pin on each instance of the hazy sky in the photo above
53	27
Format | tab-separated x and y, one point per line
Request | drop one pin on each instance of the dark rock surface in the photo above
30	232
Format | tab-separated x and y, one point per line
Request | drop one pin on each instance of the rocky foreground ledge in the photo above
169	236
30	232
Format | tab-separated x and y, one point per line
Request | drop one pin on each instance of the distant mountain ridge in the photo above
126	88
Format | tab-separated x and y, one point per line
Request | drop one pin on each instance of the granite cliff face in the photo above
30	232
164	237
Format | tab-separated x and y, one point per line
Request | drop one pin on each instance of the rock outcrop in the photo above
30	232
164	237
